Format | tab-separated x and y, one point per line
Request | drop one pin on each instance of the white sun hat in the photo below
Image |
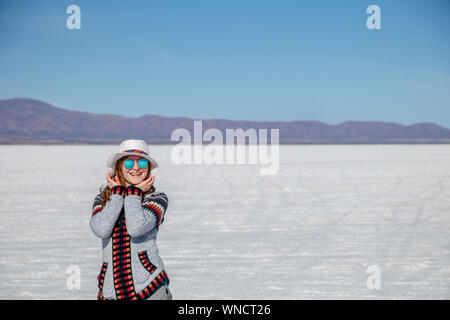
131	147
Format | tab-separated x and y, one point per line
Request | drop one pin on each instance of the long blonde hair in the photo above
105	192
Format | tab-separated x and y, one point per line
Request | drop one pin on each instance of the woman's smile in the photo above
134	177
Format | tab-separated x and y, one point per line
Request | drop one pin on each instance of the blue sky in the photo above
242	60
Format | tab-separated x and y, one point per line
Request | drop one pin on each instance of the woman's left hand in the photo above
146	184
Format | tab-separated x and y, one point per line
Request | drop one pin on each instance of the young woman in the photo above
126	215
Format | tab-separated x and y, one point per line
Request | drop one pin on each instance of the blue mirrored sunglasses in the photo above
129	163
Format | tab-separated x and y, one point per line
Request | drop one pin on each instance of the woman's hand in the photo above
146	184
112	182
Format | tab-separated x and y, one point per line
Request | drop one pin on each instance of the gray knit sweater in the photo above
128	225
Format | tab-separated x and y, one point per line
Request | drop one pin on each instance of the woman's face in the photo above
136	174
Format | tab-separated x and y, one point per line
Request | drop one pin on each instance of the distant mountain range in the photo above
29	121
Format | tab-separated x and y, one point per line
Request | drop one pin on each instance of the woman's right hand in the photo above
112	182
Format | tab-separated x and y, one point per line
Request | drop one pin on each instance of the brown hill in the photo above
34	121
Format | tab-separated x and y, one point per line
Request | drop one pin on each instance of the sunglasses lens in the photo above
128	163
143	163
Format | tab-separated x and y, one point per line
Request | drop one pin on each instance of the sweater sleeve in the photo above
104	218
144	214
